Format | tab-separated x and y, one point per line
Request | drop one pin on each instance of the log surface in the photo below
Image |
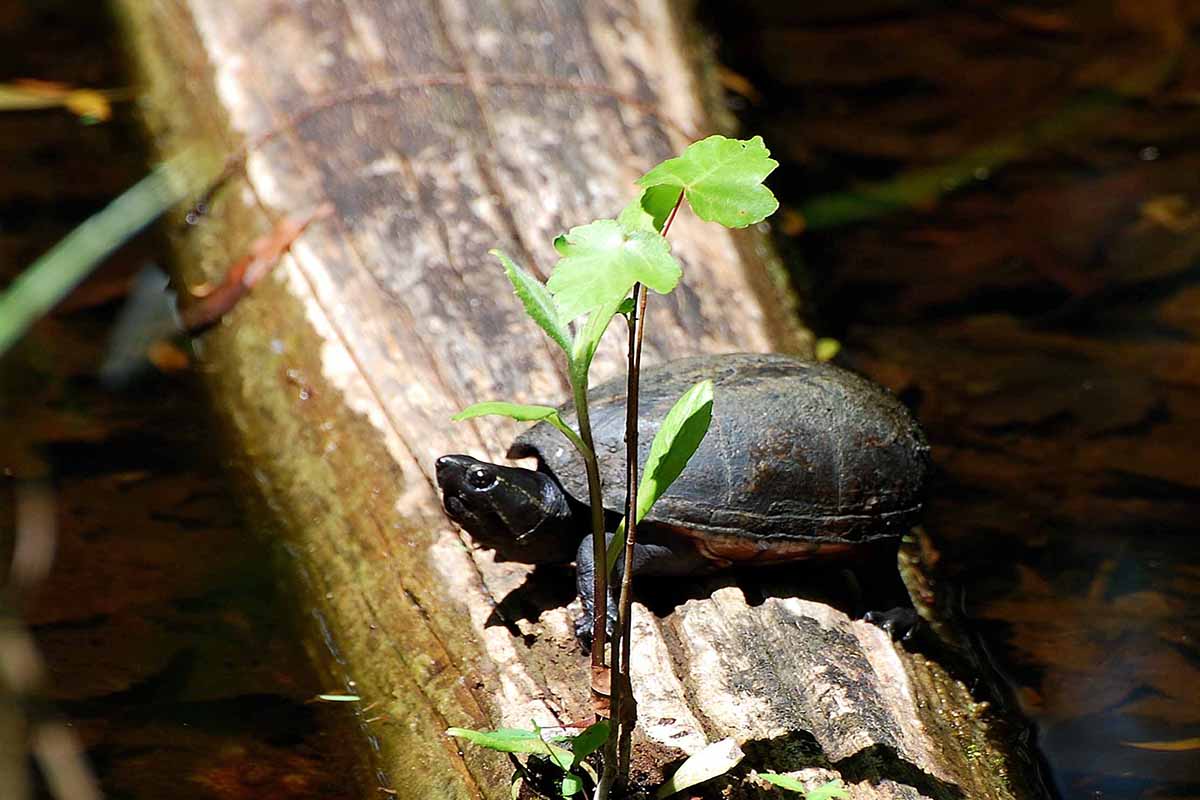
440	129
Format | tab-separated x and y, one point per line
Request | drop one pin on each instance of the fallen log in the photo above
439	130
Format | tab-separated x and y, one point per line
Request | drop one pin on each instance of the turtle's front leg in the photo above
648	559
585	585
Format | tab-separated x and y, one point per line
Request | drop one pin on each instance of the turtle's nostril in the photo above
446	467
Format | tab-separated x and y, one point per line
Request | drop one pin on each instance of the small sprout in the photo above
339	698
532	742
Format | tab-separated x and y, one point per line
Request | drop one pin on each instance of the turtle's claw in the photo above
900	623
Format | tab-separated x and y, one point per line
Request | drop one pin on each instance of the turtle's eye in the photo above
481	477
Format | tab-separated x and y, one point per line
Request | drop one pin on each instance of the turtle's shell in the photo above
798	451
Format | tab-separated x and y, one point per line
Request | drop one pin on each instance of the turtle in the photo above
802	459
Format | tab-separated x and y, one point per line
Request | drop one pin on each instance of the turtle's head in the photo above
520	513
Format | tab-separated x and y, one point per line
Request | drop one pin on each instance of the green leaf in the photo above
587	338
512	740
828	791
721	178
538	302
650	209
658	201
522	413
571	785
603	260
676	441
589	741
60	269
633	217
716	759
501	408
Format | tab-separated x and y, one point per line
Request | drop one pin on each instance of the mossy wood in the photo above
440	129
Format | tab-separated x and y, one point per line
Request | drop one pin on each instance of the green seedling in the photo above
566	762
604	269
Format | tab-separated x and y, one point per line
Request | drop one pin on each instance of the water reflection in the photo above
998	213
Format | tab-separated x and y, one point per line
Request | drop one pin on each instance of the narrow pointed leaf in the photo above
521	413
603	260
716	759
501	408
589	741
511	740
538	302
721	179
676	441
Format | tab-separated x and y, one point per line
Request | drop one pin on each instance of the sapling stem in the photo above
599	542
624	705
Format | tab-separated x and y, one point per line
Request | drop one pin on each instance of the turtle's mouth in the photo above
454	507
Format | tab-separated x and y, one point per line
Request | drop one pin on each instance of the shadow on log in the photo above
439	129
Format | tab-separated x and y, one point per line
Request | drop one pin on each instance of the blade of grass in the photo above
64	266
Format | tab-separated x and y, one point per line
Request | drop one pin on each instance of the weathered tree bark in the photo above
440	129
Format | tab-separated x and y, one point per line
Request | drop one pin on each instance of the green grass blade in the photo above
55	274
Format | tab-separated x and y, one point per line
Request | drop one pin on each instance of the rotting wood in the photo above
338	375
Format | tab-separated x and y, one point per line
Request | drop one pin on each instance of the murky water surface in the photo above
999	210
164	637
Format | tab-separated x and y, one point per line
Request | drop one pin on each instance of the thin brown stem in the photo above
624	705
599	542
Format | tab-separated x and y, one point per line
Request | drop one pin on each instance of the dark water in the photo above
164	638
997	210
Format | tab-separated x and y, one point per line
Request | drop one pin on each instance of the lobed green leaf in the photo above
601	261
721	179
539	303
